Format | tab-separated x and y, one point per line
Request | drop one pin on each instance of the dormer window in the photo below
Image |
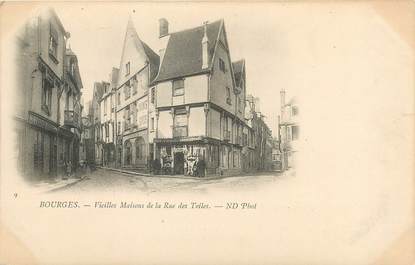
127	68
222	65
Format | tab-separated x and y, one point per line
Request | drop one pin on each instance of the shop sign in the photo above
41	122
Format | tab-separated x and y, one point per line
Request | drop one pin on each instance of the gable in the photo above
133	53
223	52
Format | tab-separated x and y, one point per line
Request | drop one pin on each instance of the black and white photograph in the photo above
207	132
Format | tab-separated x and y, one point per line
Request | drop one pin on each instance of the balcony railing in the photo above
72	119
180	131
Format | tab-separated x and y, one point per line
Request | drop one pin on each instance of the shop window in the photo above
38	149
140	148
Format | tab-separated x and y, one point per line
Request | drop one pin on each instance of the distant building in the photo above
87	147
289	130
99	89
261	136
49	91
108	120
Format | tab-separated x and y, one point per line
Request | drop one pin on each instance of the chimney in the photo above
205	47
282	95
163	27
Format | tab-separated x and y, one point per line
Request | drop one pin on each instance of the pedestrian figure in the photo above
68	169
201	167
157	166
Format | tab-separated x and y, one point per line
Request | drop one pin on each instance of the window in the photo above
228	96
222	65
127	117
105	106
119	128
53	43
288	134
68	94
127	90
295	132
294	110
72	67
47	95
38	149
180	123
135	84
119	98
152	124
178	87
153	95
127	68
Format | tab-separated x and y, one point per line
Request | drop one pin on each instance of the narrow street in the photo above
103	180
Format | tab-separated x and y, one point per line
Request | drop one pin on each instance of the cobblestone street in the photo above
103	180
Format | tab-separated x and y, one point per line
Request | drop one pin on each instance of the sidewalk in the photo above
56	184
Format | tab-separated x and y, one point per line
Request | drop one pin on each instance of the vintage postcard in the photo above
207	132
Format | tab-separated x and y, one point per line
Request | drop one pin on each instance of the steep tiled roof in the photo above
238	71
154	60
183	55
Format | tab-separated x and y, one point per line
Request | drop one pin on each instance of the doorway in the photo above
179	163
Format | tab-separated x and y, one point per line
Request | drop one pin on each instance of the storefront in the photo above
38	147
184	156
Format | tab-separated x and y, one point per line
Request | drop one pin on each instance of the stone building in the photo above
199	105
87	137
289	130
138	68
48	92
108	120
95	114
261	158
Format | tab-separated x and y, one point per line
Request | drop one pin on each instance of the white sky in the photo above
291	46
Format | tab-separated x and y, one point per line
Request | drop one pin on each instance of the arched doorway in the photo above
140	150
127	153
